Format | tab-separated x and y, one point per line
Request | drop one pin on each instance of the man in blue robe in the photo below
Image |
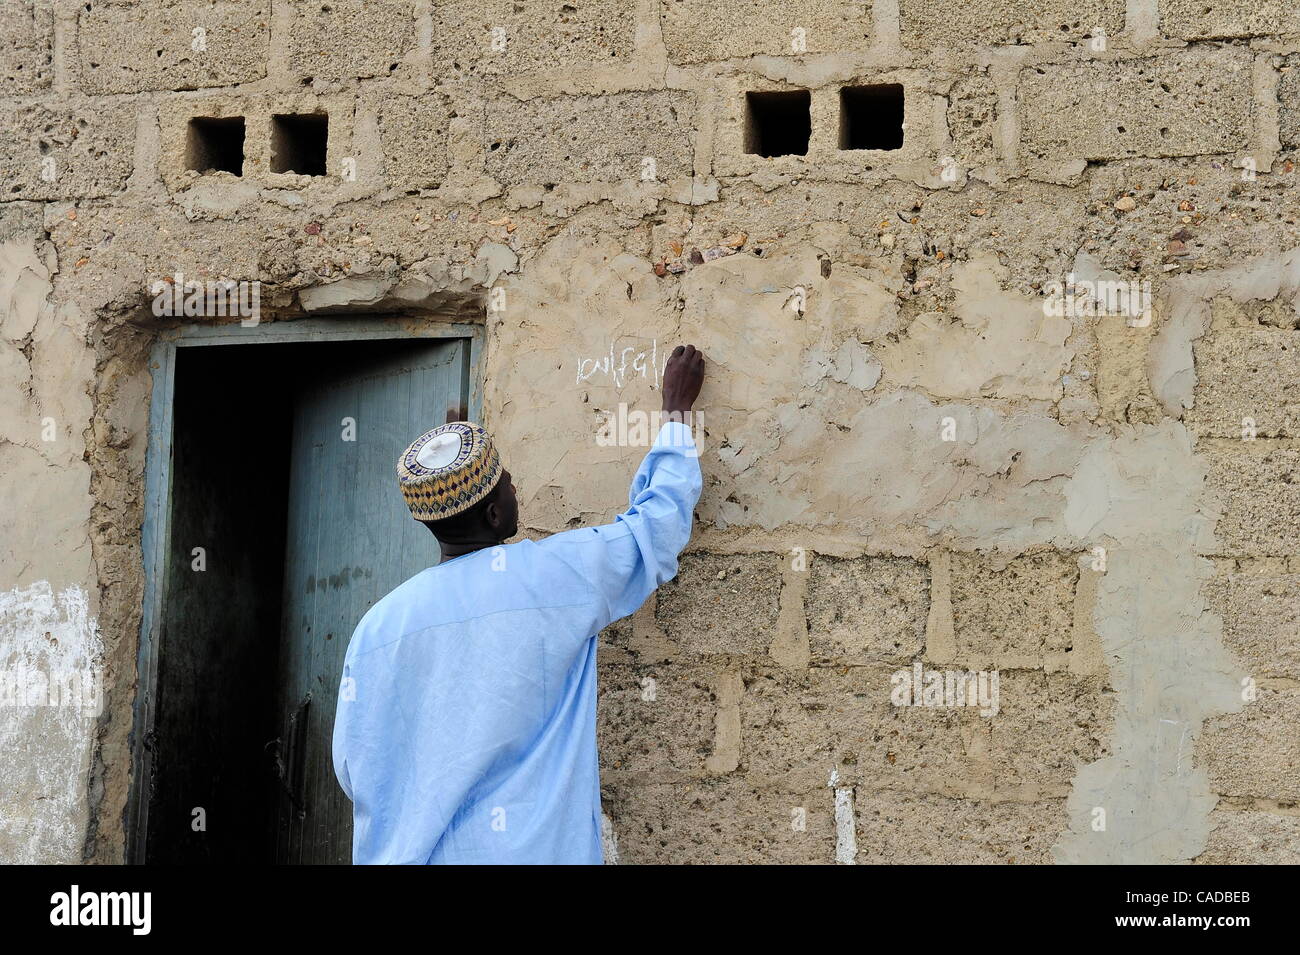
466	724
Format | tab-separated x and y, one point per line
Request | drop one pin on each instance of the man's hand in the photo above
683	376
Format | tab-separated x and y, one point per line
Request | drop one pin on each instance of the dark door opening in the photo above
284	525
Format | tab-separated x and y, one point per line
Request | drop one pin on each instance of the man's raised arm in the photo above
626	560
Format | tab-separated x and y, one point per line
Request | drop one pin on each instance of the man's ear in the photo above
492	516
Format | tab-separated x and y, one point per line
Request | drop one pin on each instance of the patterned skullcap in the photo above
448	470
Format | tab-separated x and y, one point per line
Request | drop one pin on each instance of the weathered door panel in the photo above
349	541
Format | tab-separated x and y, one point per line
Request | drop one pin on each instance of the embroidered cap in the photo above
448	470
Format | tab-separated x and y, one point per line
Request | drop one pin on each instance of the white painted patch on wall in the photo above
608	840
846	830
50	694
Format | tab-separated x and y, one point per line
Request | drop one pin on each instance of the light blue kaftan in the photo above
466	726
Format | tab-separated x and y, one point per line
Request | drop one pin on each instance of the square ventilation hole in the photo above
215	145
871	117
298	143
778	124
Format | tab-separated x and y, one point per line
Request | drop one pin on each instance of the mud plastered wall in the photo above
911	458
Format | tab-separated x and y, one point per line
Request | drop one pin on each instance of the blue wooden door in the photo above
350	540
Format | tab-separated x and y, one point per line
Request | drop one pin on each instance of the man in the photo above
466	726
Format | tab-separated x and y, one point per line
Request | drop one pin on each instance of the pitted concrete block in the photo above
1191	103
348	39
1247	382
26	45
1261	618
696	31
1014	615
827	156
1257	486
413	131
507	38
905	829
796	727
926	25
867	610
258	112
1255	752
722	603
591	139
50	152
972	121
1197	20
1046	727
720	822
155	45
1245	837
1288	97
658	720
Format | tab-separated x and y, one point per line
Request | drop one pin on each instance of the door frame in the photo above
155	530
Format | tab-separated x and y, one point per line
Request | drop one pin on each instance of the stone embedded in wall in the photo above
926	25
905	829
1257	486
1017	615
349	39
1191	103
1248	374
591	139
721	822
722	603
510	38
1198	20
413	131
1261	618
156	45
658	720
1255	752
1245	837
1047	726
54	152
867	610
26	45
699	30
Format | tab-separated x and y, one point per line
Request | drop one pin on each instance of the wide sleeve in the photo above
626	560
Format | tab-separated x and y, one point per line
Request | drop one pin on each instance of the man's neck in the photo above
452	549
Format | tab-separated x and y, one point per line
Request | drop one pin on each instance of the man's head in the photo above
454	484
492	520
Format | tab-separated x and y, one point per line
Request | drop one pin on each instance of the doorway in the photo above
272	524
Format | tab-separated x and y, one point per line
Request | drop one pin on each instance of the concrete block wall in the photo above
909	461
772	668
